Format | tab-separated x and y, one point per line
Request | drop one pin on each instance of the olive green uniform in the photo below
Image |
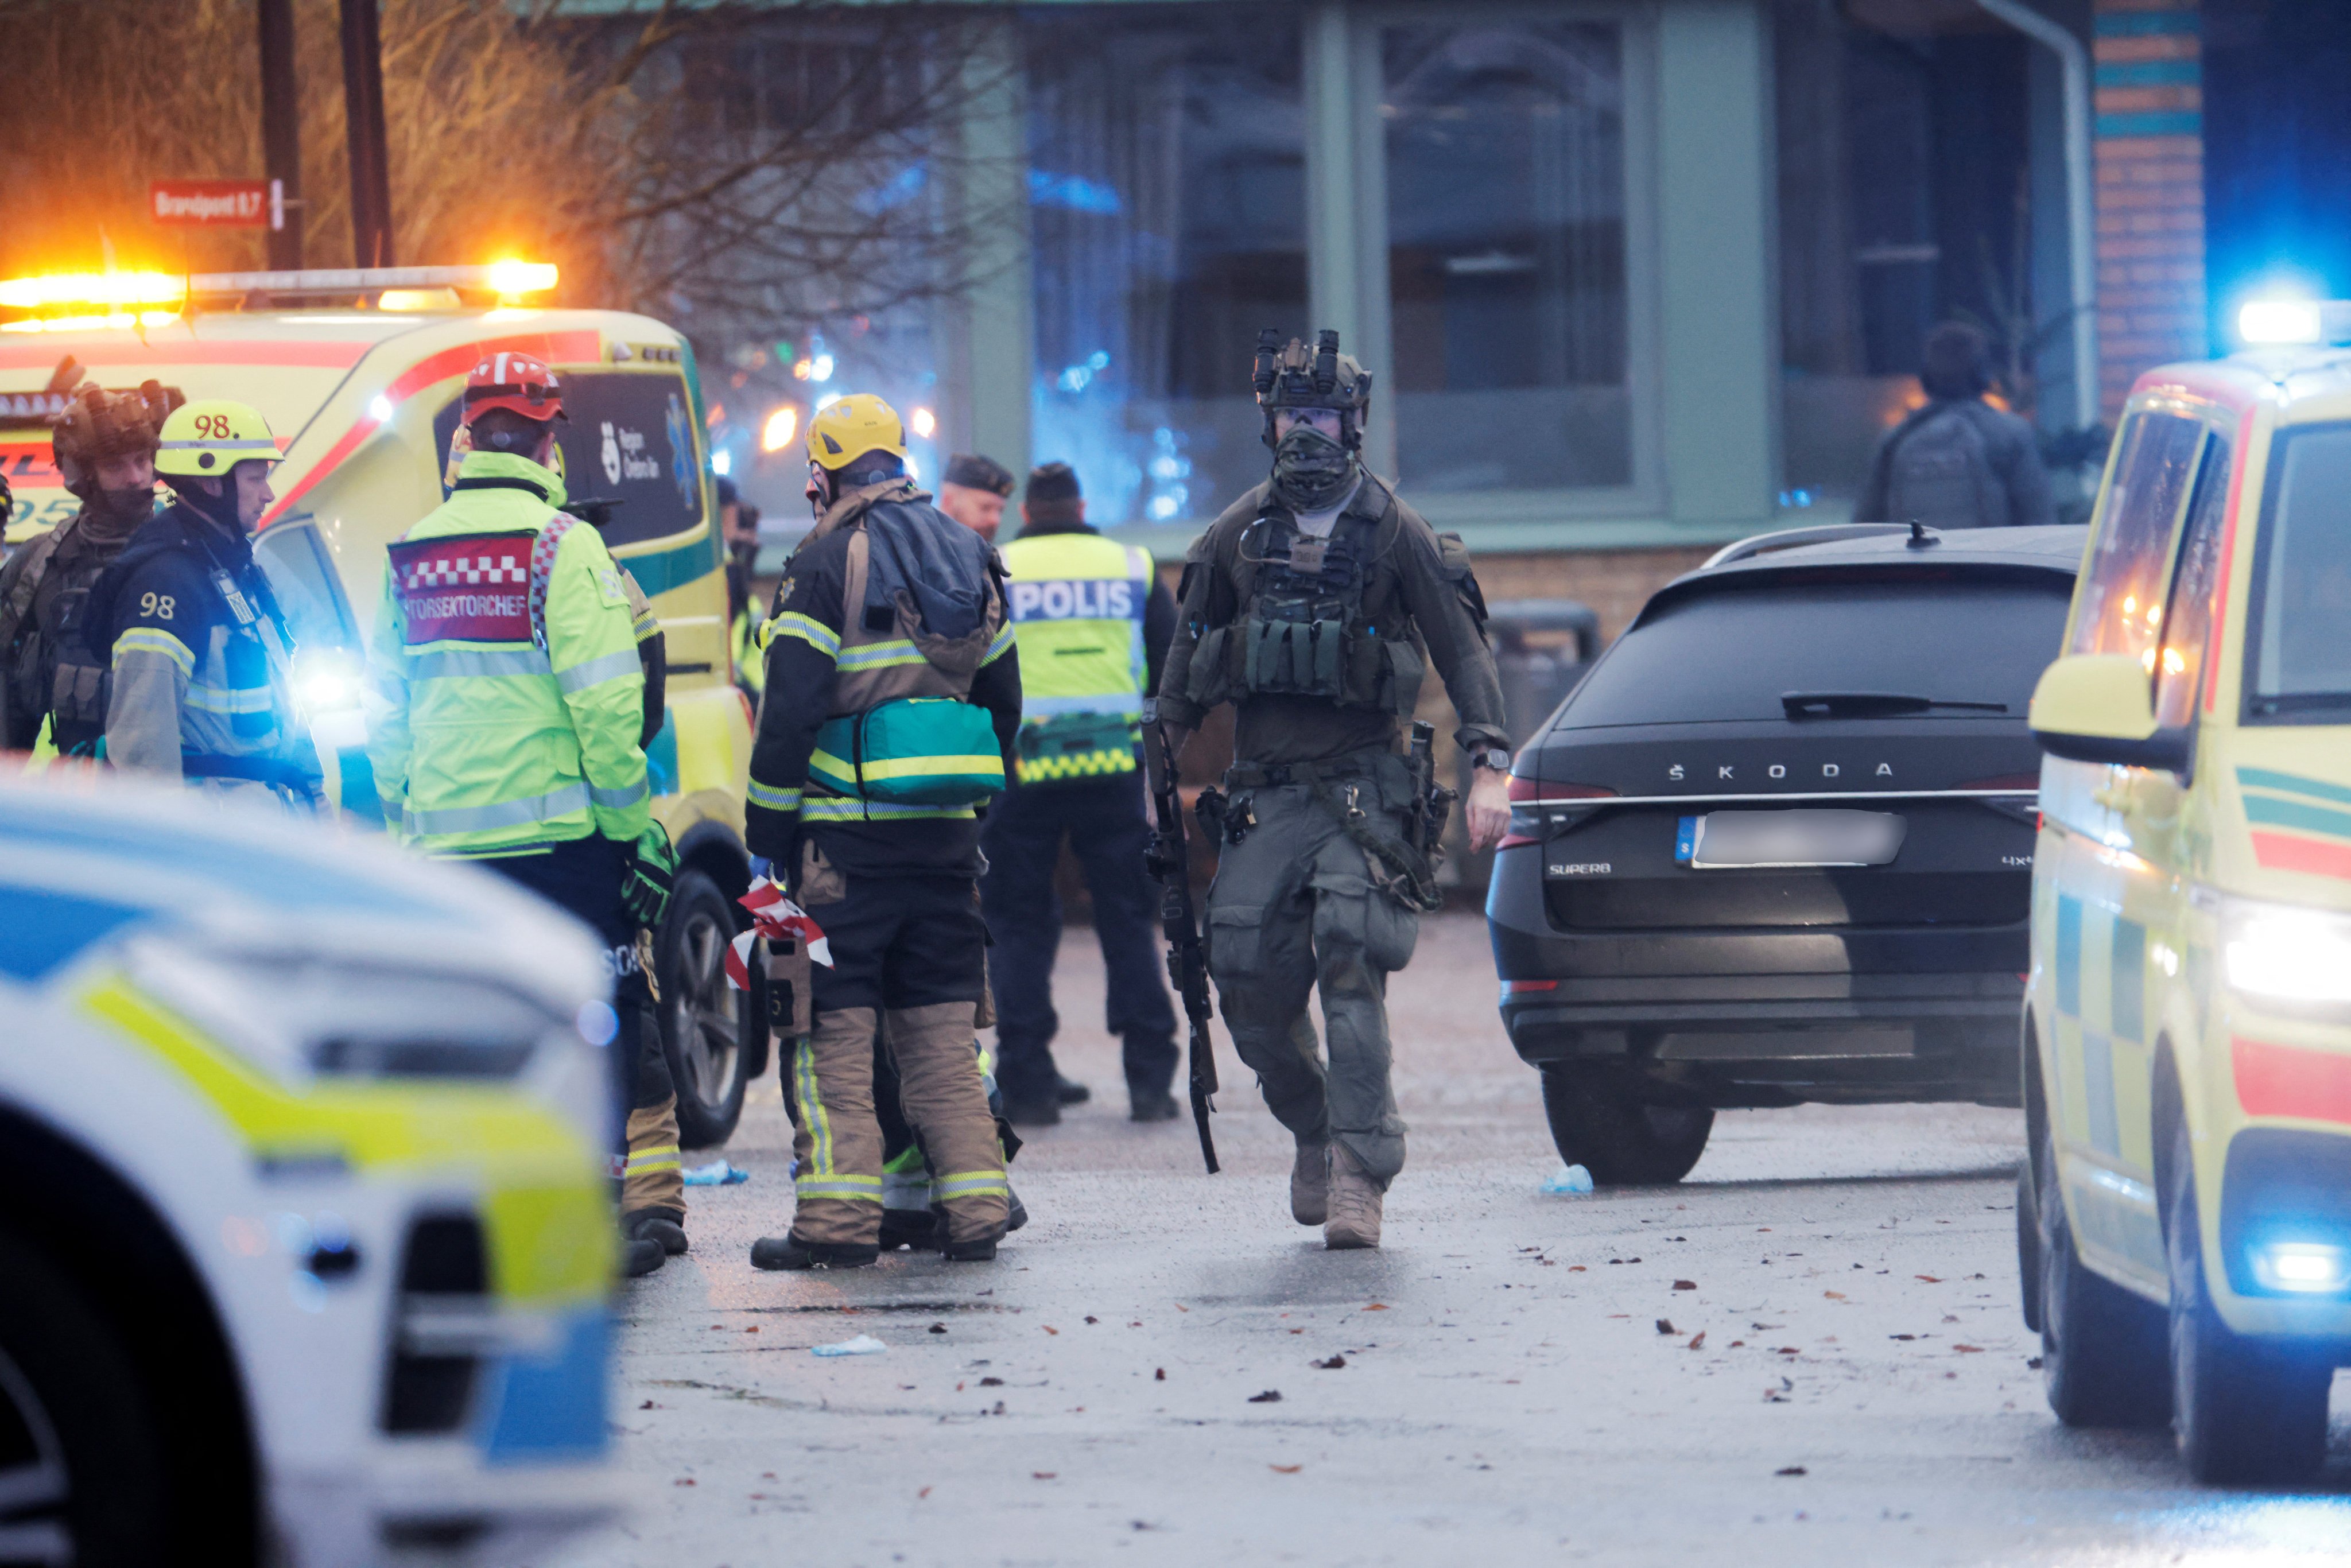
1321	651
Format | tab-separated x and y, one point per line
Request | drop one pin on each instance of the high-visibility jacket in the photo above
505	694
1077	603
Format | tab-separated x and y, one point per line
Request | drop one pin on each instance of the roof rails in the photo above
1824	533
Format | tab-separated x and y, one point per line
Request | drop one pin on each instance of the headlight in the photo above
296	1016
2276	952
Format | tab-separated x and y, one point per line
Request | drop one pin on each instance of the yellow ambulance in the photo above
2184	1224
359	373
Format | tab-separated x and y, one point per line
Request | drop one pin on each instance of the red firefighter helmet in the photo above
516	382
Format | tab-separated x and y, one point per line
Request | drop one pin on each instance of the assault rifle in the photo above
1187	961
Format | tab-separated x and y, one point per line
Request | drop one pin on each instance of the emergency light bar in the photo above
500	278
116	294
2278	321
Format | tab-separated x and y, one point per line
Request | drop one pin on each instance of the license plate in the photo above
1721	840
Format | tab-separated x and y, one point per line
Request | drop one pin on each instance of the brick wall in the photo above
2150	189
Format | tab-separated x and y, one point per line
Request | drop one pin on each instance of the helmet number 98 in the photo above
212	426
158	605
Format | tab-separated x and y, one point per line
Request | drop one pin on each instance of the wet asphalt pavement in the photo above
1809	1352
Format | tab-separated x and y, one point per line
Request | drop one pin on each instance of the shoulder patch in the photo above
608	579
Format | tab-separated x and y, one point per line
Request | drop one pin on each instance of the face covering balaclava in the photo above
115	513
1311	472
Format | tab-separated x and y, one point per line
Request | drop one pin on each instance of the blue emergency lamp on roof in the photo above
2268	322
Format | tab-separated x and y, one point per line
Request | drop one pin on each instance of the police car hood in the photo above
86	863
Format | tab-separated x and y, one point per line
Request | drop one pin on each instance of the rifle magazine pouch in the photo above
789	1011
1404	670
1211	678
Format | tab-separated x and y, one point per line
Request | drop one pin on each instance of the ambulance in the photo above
2184	1223
308	1248
359	373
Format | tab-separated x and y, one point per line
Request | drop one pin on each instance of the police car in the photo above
359	373
307	1240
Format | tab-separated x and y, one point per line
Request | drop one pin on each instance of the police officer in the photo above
1313	605
973	491
886	608
200	650
506	721
1093	622
104	448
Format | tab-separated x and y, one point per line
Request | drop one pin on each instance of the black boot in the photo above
1148	1105
969	1251
640	1256
791	1252
660	1225
1069	1092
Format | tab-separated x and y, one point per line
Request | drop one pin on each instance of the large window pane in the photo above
1168	198
1506	255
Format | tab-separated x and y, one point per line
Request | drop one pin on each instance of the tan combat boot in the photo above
1355	1206
1309	1185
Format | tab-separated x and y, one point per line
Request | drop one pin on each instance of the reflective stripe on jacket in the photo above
1077	604
496	725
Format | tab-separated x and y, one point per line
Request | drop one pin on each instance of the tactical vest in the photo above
50	667
1077	605
1306	627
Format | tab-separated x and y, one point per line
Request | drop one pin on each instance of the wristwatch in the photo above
1493	757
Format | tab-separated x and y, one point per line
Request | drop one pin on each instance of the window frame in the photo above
1330	244
2249	641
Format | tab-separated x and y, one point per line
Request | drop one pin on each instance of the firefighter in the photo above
201	687
893	698
507	717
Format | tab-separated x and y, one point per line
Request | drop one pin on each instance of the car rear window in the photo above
1730	655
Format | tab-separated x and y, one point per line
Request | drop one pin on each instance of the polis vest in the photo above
1078	603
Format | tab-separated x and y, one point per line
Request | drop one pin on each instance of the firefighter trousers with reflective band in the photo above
583	878
907	963
1294	909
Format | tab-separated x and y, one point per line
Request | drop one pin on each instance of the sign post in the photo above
217	204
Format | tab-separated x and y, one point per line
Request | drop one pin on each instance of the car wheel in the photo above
705	1023
1622	1140
2102	1348
2246	1413
2028	1247
83	1478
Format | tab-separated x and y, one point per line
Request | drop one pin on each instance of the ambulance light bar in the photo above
2280	321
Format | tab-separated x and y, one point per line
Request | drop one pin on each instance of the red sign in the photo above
211	203
473	587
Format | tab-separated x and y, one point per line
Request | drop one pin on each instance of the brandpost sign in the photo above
217	204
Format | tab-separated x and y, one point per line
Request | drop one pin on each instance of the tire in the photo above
2247	1412
84	1475
705	1024
1622	1140
2028	1247
2103	1359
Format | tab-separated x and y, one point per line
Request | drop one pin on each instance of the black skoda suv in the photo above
1777	845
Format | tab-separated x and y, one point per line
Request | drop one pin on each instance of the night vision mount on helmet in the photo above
1295	376
97	424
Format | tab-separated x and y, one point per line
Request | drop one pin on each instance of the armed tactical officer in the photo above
892	699
506	724
104	447
1313	605
200	686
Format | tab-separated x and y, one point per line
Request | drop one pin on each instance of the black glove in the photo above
645	884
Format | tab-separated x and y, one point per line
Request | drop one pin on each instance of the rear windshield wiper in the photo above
1869	704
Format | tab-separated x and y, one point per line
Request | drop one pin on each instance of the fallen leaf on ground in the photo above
1333	1365
1928	1278
924	1493
1666	1325
1790	1470
1286	1469
1577	1268
1160	1375
938	1328
1901	1337
991	1383
1833	1295
1786	1350
1093	1320
1968	1349
1049	1328
683	1482
1270	1396
1046	1475
1297	1331
649	1404
752	1329
2035	1363
1684	1284
1738	1344
1696	1339
1182	1308
1377	1307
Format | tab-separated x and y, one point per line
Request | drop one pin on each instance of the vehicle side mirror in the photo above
2100	708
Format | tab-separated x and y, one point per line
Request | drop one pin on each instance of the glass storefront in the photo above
1167	198
1505	243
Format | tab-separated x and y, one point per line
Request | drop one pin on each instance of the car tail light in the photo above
1530	796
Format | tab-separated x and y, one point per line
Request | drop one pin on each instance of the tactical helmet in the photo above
843	430
207	438
97	424
1294	376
